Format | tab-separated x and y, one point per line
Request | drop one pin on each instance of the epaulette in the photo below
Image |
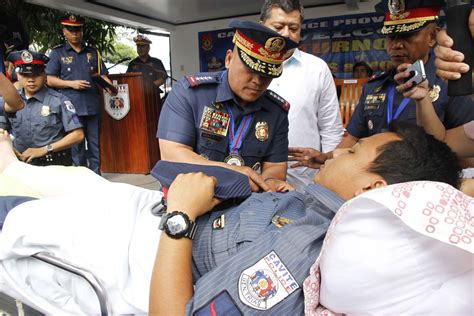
57	46
196	80
378	76
278	100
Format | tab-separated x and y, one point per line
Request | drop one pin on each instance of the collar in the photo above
224	93
40	95
294	58
69	47
322	198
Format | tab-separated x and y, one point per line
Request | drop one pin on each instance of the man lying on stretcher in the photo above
255	256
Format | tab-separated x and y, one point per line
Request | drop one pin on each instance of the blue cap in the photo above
230	184
28	62
261	49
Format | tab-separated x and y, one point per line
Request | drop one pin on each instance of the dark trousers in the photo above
89	156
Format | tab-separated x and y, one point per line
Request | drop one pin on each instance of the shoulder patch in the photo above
196	80
278	100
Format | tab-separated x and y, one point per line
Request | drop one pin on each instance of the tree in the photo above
121	51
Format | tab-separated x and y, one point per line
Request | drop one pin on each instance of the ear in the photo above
433	33
377	183
228	57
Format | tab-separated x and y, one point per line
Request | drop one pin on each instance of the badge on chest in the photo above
214	122
373	101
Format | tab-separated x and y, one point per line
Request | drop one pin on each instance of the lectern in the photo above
129	123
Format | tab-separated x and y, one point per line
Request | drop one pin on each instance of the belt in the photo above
55	158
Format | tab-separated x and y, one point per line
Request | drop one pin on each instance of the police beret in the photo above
230	184
72	20
260	48
403	16
141	40
28	62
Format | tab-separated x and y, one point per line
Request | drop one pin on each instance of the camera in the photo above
417	73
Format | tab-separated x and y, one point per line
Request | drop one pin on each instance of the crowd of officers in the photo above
228	118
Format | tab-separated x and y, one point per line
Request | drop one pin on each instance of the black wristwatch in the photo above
178	225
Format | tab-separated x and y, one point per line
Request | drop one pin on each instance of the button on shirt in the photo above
152	68
67	64
46	118
314	116
181	115
370	115
250	233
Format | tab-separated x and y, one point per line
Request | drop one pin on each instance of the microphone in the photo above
119	62
457	20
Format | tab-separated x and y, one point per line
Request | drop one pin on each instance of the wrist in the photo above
192	214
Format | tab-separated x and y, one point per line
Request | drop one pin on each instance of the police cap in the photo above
72	21
28	62
141	40
260	48
403	16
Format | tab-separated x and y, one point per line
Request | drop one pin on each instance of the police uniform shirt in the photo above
267	231
67	64
181	115
152	69
45	119
370	115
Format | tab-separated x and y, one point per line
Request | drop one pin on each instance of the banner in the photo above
341	41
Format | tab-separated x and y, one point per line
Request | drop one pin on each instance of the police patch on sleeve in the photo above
69	106
266	283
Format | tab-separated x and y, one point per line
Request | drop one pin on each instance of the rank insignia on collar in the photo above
261	131
434	93
214	121
45	111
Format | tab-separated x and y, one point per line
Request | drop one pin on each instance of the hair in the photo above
286	5
417	156
364	64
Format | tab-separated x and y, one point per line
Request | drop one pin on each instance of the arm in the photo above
173	151
110	82
13	101
172	283
462	145
71	139
56	82
329	115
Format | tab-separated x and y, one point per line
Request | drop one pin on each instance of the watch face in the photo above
176	225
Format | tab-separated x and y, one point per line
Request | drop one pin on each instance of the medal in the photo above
234	160
434	93
261	131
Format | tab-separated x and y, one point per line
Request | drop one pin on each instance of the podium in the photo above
128	142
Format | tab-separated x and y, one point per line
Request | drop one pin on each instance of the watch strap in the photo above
190	232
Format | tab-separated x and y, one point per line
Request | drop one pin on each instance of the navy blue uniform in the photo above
370	116
182	115
67	64
152	69
46	118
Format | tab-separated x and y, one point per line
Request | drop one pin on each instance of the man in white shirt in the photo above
307	84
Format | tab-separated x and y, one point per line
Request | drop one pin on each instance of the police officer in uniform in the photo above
70	70
47	127
410	28
152	68
229	118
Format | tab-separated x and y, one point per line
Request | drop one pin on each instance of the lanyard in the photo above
236	137
403	105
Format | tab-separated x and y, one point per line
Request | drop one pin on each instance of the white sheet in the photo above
122	257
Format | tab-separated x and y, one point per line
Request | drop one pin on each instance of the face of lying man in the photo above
346	173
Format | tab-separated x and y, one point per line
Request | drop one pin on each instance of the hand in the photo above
307	157
80	84
277	185
112	93
256	181
449	65
32	153
192	193
417	92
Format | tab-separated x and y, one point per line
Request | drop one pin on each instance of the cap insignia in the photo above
72	18
275	44
26	57
396	7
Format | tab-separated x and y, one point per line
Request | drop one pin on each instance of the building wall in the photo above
184	48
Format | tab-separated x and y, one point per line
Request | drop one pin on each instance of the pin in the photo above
370	124
434	93
261	131
219	223
45	110
234	160
279	221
